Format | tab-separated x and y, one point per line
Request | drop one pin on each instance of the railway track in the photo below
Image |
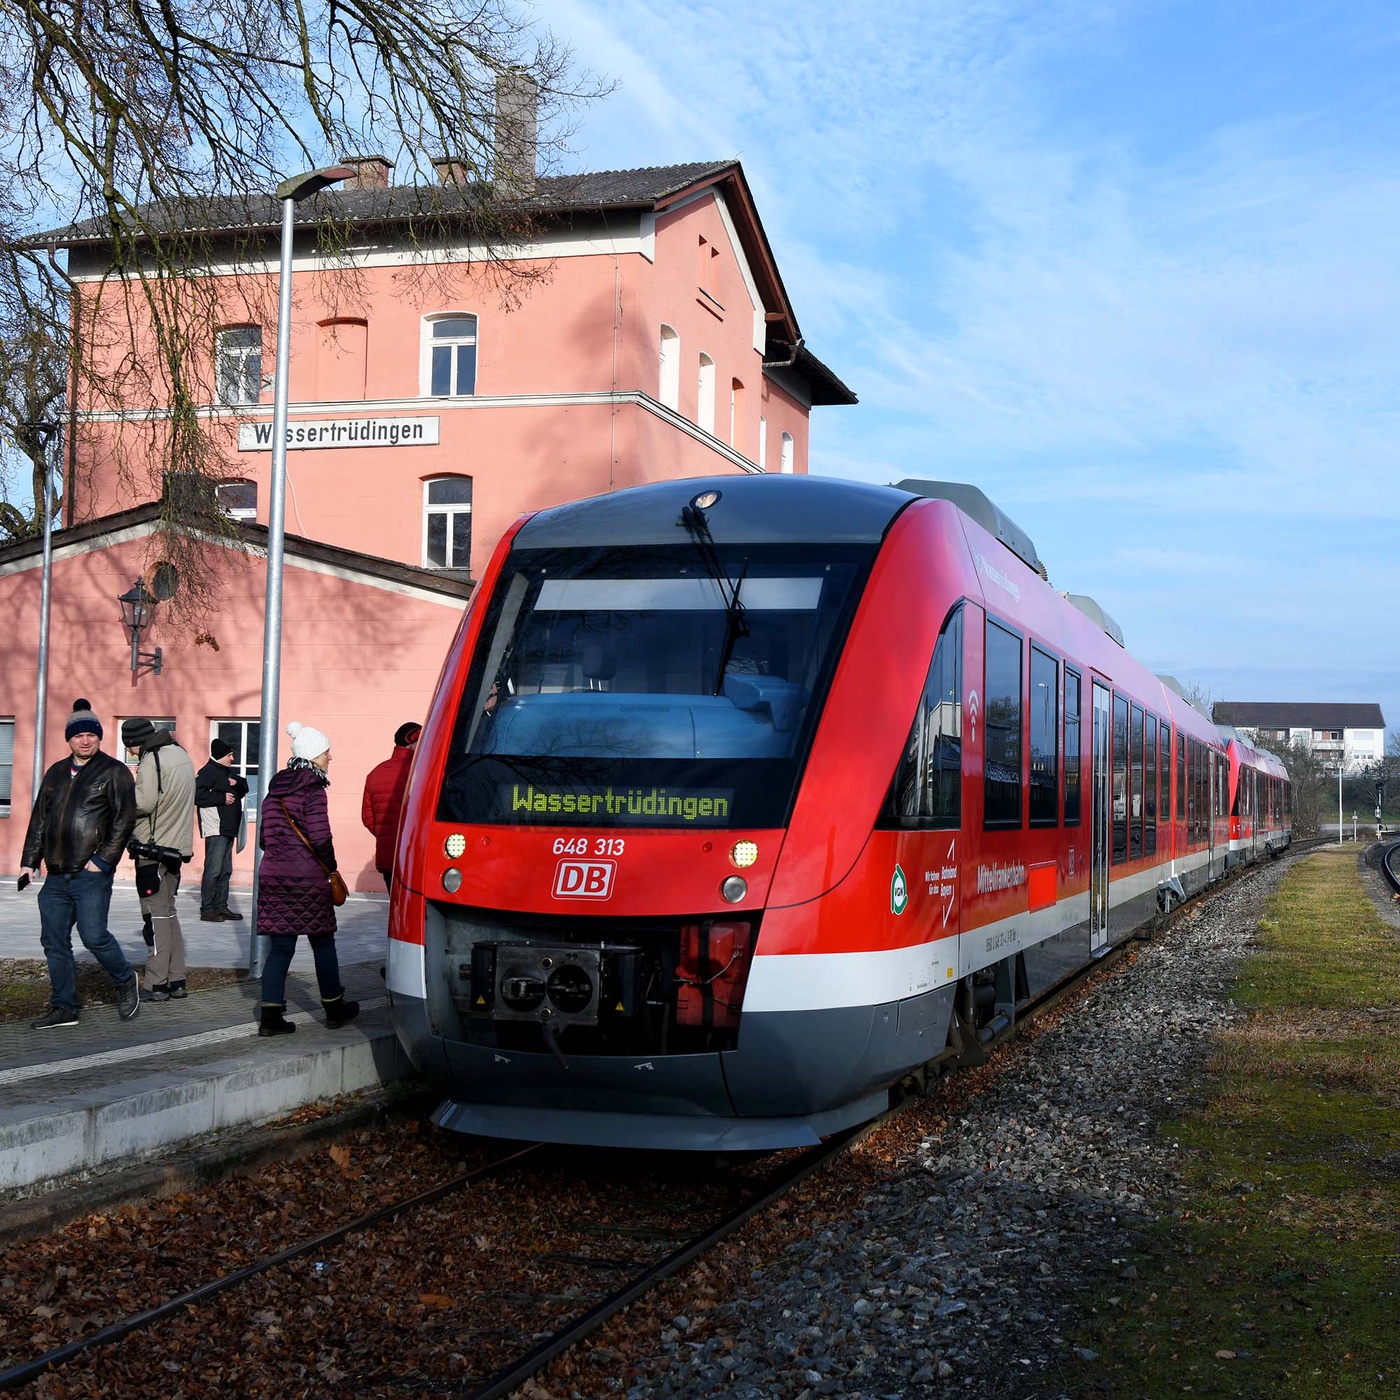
1390	865
484	1339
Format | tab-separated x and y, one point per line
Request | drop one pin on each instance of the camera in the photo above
147	851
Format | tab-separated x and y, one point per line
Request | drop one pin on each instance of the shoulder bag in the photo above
339	889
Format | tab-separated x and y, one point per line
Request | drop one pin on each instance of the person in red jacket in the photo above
383	800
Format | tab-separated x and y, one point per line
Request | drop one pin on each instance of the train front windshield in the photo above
649	687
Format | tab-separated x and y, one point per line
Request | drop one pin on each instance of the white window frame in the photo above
762	443
243	760
7	764
705	395
428	344
668	379
785	458
450	511
232	367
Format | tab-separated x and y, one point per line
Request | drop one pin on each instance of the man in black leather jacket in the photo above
82	819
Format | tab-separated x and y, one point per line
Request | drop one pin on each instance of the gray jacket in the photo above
165	794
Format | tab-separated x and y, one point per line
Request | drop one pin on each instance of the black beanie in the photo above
135	732
407	734
219	749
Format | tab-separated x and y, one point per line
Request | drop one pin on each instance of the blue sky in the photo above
1130	268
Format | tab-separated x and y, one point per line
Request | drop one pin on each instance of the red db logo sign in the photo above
584	879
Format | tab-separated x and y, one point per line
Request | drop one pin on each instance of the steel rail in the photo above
538	1357
27	1371
1390	864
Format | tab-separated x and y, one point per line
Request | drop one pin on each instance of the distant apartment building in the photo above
655	340
1349	736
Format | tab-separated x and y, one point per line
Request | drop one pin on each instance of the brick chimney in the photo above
517	103
371	172
451	170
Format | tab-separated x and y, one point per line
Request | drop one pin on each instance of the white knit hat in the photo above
307	743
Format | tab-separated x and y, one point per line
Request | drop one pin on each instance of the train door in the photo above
1256	792
1212	806
1099	819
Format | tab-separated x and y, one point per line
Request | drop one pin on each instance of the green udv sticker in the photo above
899	892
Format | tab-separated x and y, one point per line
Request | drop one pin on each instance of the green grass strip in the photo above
1280	1274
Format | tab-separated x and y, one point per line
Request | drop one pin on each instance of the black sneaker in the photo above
57	1016
160	992
177	991
129	997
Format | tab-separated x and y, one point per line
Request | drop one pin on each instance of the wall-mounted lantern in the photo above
138	609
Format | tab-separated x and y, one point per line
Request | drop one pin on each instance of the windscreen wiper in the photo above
736	623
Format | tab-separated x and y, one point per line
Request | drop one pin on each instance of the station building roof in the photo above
1297	714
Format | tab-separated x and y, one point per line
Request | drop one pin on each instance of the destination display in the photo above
642	806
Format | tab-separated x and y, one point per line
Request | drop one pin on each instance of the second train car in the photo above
743	800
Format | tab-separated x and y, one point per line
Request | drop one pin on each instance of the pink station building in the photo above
426	414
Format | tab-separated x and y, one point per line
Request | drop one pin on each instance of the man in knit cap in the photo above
218	794
164	819
81	821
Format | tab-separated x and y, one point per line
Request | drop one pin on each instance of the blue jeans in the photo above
218	866
83	899
279	959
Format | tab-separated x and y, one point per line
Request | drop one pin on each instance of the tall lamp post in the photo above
290	192
43	434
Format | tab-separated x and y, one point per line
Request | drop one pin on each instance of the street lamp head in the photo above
310	182
138	607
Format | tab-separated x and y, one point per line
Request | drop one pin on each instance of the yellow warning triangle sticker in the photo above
481	1001
619	1007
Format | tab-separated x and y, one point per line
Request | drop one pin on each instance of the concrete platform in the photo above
106	1091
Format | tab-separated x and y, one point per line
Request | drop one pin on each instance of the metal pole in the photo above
276	523
1341	830
41	687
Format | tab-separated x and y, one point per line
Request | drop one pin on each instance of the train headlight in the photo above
455	845
452	879
734	888
743	854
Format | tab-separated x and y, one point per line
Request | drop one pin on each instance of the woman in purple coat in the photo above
294	893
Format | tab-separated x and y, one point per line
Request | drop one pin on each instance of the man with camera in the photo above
162	842
82	817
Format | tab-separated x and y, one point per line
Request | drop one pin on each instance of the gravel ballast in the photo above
954	1250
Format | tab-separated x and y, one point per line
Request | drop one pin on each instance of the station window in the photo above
1149	802
447	523
7	762
238	365
1002	696
450	355
1045	735
1120	780
238	499
243	736
669	385
705	394
785	457
927	786
1072	789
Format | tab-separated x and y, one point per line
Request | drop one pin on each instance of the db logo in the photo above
584	879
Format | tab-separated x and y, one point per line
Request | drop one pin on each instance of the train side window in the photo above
927	786
1149	792
1002	697
1164	807
1045	738
1072	688
1193	772
1135	803
1181	777
1120	780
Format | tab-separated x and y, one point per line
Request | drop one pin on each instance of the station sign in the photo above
395	430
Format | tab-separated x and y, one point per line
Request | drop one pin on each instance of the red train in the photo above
742	800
